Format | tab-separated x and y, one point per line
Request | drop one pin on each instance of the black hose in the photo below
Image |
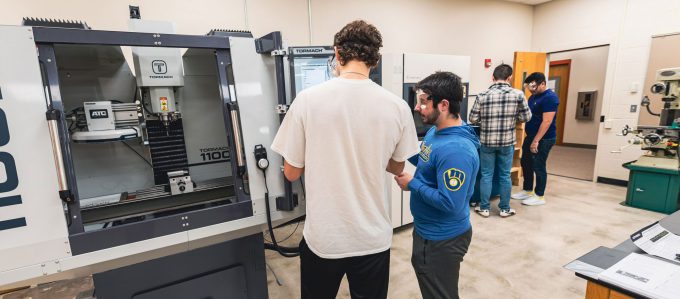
650	111
293	250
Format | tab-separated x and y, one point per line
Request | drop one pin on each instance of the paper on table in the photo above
658	241
645	275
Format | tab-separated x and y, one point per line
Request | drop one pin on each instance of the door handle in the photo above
639	190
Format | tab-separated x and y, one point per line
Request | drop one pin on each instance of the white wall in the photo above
189	17
479	28
291	17
588	69
627	25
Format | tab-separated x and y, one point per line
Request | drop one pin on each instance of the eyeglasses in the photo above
530	86
422	97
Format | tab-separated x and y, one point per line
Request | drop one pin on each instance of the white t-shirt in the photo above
344	132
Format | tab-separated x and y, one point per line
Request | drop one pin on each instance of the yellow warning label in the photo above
164	104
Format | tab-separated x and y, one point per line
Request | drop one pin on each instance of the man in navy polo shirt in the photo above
540	137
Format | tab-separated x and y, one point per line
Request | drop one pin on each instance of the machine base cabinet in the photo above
234	269
653	189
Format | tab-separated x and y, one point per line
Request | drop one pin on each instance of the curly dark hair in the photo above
359	40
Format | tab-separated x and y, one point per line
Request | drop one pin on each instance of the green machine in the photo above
654	180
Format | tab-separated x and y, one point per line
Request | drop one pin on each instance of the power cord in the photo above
645	103
138	154
263	163
274	245
297	225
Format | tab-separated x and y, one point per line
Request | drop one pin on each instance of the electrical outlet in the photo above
634	87
608	124
633	108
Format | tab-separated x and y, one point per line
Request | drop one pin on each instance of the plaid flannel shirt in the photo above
497	111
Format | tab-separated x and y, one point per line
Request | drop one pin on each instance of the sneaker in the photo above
522	195
483	213
474	204
507	213
534	201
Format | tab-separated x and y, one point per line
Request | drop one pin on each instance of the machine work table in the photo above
590	265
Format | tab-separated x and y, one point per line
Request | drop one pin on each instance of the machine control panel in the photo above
309	66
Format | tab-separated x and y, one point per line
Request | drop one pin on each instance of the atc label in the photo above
99	113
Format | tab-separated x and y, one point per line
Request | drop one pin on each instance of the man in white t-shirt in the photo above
344	134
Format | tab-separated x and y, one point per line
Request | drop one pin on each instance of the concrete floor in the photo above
517	257
572	162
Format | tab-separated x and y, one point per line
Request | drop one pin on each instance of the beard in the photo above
432	118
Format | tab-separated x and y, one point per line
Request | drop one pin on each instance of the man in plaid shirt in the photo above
497	110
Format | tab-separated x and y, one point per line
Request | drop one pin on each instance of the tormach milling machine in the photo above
142	173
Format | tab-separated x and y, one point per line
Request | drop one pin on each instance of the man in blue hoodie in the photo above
441	188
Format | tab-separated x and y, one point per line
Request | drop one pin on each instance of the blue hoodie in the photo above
444	181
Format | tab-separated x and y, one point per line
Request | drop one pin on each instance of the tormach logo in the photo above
309	50
315	50
159	67
99	113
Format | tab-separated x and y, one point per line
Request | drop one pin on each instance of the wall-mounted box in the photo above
586	103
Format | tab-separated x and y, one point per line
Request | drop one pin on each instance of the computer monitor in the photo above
309	66
310	71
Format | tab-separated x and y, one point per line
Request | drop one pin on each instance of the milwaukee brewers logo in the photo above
425	152
453	179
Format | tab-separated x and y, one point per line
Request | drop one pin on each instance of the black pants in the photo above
368	275
437	264
535	164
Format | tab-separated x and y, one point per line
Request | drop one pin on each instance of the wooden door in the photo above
525	64
559	74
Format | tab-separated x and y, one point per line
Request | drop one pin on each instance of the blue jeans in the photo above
535	164
490	158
